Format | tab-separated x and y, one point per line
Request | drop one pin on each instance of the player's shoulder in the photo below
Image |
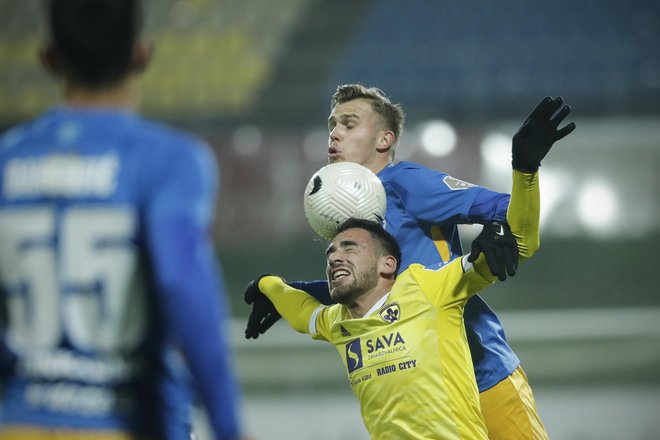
11	138
410	272
168	137
23	131
408	168
417	270
414	278
169	148
409	173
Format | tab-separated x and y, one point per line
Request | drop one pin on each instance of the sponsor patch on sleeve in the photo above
455	184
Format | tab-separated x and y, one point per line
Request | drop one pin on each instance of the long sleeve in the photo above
524	212
318	289
296	306
488	205
523	218
189	284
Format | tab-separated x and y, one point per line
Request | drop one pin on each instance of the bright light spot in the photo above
438	138
496	151
247	140
598	207
315	146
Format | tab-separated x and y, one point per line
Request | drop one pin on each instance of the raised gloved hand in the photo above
535	137
263	315
498	244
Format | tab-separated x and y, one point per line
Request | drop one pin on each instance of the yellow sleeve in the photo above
296	306
523	218
524	211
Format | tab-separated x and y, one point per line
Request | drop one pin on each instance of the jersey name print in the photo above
61	175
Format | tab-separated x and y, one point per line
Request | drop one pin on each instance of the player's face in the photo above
354	133
352	268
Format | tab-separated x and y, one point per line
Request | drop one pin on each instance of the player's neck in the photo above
378	164
121	94
362	305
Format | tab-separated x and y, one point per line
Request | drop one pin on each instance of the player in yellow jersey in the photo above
402	338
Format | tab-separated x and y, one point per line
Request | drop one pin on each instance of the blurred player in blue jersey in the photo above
423	209
108	277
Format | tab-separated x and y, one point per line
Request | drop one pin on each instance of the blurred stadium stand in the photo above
277	62
254	78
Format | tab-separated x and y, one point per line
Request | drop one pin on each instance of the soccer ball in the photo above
340	191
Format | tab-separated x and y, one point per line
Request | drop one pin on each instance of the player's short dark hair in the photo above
392	114
94	39
386	242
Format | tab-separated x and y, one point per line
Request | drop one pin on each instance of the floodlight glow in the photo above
496	151
438	138
598	207
247	140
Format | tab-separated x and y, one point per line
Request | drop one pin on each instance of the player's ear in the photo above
388	266
142	54
50	59
386	141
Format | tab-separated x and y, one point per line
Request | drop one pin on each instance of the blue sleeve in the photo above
433	197
488	205
318	289
189	284
437	198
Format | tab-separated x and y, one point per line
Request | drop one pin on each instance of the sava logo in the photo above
353	355
383	342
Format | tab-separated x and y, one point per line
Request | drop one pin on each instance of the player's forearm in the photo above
191	302
488	205
524	211
318	289
294	305
198	308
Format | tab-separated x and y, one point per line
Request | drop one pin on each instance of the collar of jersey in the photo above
378	304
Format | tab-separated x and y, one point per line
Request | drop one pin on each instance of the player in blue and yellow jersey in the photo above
402	338
423	208
108	278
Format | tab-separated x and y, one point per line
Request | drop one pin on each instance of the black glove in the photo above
499	246
263	315
535	137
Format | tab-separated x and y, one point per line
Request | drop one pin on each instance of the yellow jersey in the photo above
407	359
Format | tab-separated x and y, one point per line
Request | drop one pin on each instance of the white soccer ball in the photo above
340	191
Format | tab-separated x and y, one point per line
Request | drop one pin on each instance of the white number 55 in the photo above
71	273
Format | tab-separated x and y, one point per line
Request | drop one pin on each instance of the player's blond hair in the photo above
392	115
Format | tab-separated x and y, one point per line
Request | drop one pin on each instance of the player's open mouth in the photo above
333	153
339	273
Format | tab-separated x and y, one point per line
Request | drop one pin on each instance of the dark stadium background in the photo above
253	77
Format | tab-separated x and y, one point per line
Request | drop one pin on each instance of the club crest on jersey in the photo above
353	355
455	184
390	312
